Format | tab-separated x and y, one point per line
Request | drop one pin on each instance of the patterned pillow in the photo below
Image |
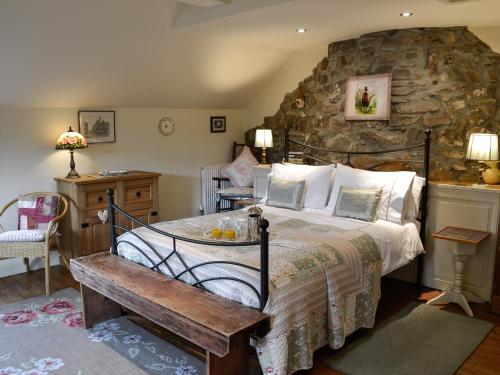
286	194
358	204
240	171
35	212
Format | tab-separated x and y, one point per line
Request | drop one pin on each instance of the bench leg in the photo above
97	308
235	362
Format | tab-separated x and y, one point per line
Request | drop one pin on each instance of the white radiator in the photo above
209	188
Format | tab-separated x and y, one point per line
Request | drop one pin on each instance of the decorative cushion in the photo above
395	186
244	191
358	204
22	236
318	181
35	212
240	171
285	194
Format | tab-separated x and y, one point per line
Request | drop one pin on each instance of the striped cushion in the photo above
236	192
22	236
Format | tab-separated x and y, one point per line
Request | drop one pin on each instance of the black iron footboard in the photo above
261	294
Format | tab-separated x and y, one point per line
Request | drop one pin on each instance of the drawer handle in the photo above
100	199
85	225
154	213
138	194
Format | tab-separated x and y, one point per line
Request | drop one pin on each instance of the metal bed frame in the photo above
426	146
261	294
263	242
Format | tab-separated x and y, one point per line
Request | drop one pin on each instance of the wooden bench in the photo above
220	326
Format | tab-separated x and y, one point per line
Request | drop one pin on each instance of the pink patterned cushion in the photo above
240	171
35	212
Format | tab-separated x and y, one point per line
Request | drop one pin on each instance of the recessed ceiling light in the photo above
301	30
406	14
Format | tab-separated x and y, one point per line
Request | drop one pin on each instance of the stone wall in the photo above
444	79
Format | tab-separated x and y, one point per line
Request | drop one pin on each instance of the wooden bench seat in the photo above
220	326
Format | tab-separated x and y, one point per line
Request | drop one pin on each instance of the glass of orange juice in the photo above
216	232
229	234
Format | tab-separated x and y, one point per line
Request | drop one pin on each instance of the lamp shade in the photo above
71	140
264	138
482	147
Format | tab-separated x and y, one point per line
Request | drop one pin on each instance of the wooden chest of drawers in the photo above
82	231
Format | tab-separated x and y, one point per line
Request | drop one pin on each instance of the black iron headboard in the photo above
426	146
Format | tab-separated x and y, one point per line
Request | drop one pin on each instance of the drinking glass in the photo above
241	227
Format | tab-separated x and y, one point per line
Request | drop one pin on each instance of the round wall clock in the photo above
166	126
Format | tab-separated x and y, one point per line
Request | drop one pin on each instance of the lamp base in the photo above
263	159
72	173
491	175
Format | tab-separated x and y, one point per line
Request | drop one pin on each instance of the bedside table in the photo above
467	242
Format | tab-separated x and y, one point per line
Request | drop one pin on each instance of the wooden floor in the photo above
395	295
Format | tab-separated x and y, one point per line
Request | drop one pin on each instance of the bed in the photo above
316	275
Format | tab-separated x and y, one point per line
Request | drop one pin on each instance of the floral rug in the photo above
45	336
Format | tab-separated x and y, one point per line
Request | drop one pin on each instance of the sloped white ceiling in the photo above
103	53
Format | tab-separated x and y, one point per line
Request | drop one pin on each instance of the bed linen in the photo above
324	276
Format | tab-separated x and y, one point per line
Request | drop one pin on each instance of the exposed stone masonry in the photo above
444	79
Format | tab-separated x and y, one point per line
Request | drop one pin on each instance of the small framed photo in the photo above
368	97
218	124
97	126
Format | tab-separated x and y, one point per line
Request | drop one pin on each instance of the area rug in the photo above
419	339
45	335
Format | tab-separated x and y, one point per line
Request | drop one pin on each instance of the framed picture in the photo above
368	97
97	126
218	124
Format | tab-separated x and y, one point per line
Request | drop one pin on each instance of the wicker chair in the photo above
37	249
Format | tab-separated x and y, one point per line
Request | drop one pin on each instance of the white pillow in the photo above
240	171
395	186
318	181
412	204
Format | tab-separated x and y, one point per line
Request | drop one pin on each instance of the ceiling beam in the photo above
205	3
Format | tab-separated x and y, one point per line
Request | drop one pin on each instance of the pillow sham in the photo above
317	181
240	171
361	204
285	194
395	187
412	204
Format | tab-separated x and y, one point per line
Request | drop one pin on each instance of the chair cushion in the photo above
22	236
35	212
240	171
244	192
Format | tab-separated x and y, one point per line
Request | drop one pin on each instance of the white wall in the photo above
298	67
28	161
489	35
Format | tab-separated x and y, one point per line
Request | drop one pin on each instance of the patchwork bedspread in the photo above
324	281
